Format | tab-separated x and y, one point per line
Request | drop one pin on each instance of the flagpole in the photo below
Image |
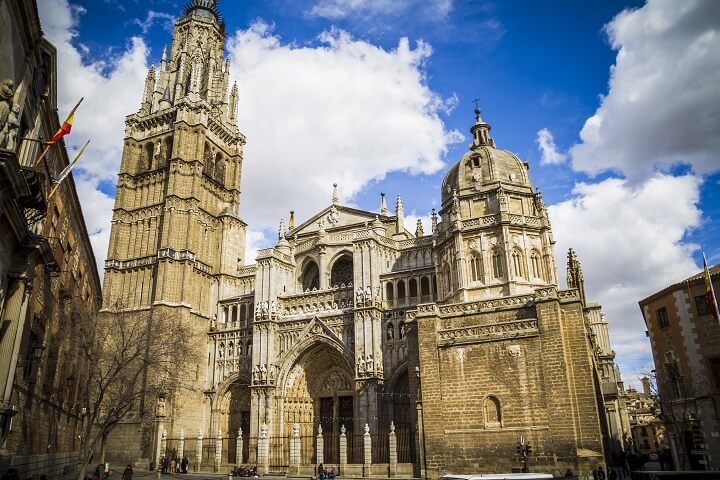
52	142
66	172
710	288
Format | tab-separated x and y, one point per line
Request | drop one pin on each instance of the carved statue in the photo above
360	296
390	332
402	330
368	294
369	365
263	373
256	374
272	372
161	407
361	366
273	307
7	91
11	128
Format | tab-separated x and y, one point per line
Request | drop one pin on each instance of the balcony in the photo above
332	299
408	301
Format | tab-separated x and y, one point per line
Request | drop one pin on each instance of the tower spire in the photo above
383	204
335	194
400	211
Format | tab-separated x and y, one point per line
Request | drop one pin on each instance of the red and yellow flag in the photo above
66	126
710	291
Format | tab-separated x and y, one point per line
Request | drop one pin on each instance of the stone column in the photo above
295	450
163	443
159	452
367	451
263	455
392	449
322	267
320	447
343	450
239	448
14	317
218	450
181	445
198	451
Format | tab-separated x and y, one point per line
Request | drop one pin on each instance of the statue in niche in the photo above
263	373
369	366
161	407
361	366
402	330
256	374
390	332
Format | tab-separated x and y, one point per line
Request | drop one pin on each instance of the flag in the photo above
710	291
65	127
66	171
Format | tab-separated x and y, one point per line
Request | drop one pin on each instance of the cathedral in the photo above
359	341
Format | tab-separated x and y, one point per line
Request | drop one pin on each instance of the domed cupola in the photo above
483	166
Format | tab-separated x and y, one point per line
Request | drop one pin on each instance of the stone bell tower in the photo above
177	241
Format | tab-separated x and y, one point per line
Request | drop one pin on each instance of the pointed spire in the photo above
335	194
433	220
574	275
166	101
291	223
233	101
383	205
164	54
146	106
419	229
400	212
481	132
281	229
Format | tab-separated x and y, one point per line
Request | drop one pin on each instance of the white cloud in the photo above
546	145
166	20
101	116
343	111
662	106
337	9
630	241
412	219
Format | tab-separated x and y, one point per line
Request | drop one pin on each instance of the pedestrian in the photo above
185	464
569	473
128	473
612	475
595	474
601	473
172	466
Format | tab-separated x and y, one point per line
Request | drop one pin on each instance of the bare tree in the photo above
119	350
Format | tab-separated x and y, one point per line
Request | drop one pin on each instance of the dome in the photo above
484	164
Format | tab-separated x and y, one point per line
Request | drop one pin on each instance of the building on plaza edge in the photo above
353	341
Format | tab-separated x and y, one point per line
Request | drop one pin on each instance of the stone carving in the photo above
392	426
333	216
361	366
390	332
263	373
513	350
161	407
369	366
7	90
11	128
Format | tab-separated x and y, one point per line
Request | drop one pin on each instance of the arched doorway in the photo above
232	414
319	391
398	407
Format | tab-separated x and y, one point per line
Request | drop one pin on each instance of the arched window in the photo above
492	412
225	315
168	150
476	268
413	287
517	262
424	286
219	174
401	289
536	265
434	284
243	314
310	277
148	155
497	264
234	314
209	167
389	291
342	271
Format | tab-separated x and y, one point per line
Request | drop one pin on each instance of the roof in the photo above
693	279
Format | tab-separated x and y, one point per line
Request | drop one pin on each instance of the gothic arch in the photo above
309	275
492	412
341	269
221	397
306	347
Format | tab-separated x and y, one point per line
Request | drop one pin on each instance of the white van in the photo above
499	476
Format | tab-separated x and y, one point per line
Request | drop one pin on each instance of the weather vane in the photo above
476	103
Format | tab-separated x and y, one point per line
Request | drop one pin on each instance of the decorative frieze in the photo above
488	333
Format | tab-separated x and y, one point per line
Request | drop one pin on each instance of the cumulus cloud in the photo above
100	117
411	221
546	145
337	9
662	106
636	247
344	111
166	20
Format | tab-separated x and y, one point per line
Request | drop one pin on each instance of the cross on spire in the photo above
476	102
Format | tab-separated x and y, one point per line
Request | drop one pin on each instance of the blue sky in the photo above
628	163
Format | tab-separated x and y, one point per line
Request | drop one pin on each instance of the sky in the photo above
614	104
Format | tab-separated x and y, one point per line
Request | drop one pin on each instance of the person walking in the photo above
128	473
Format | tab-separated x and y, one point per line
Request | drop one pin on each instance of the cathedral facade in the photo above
457	342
